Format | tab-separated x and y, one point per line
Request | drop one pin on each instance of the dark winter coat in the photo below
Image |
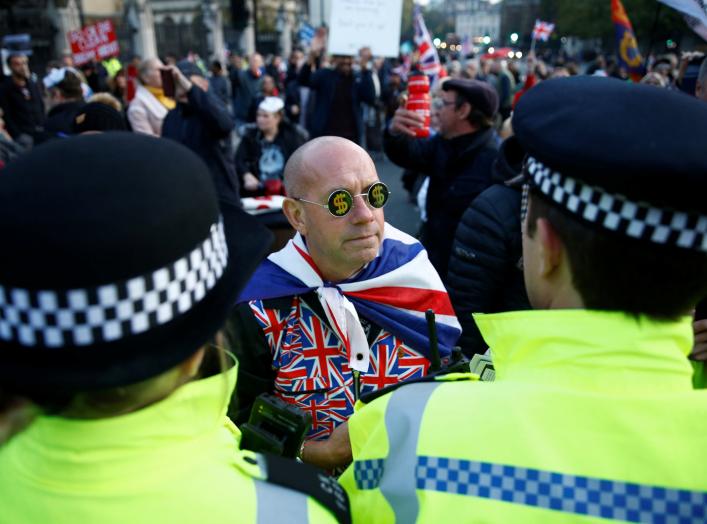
323	82
459	170
485	273
204	125
60	119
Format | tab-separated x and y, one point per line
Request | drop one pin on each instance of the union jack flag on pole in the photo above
429	60
542	30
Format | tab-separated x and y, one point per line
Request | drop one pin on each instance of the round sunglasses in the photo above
340	202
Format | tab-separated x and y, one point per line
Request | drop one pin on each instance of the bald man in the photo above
338	312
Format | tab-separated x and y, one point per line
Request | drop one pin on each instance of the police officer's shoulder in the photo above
306	479
447	377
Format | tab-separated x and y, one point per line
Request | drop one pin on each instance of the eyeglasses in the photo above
440	103
340	202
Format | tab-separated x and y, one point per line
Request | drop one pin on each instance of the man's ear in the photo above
550	247
464	110
295	215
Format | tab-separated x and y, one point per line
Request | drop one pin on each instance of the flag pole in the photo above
651	40
532	45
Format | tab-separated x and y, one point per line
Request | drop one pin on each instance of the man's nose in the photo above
361	211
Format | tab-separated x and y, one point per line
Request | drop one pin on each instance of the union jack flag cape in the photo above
394	290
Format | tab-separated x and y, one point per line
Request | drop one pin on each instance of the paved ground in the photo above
399	211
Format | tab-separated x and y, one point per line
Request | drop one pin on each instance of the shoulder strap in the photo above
309	480
449	377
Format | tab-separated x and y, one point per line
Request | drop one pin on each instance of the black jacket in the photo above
459	170
60	119
324	83
204	125
23	107
289	137
485	273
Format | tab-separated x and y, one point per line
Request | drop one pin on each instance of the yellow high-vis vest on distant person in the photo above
592	418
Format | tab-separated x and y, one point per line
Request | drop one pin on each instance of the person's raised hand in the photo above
405	122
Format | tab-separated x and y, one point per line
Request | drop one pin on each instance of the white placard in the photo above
359	23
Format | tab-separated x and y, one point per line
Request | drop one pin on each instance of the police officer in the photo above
592	414
118	270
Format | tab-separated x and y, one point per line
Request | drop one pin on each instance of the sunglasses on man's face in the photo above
340	202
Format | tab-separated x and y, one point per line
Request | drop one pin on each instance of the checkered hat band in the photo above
84	317
578	495
617	213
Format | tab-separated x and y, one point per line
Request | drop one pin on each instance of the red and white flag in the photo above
542	30
429	60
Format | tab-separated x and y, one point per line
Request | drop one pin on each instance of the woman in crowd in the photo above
265	148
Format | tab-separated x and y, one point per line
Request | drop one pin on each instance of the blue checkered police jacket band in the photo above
617	213
83	317
594	497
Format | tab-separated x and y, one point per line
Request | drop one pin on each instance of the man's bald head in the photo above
340	245
317	156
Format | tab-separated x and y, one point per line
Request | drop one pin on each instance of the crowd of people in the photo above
144	311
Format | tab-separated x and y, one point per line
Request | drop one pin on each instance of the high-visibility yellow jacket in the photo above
175	461
592	417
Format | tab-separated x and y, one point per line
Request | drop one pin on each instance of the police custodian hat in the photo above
624	157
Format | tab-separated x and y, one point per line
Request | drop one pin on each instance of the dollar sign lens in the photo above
340	203
379	195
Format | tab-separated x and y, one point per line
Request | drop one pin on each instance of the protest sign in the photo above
94	42
365	23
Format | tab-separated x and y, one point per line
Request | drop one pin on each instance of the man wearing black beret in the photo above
592	415
458	160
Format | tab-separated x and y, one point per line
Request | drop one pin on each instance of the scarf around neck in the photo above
393	290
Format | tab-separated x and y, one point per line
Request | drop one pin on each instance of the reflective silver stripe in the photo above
277	504
403	417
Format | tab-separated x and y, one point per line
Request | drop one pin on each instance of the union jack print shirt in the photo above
313	368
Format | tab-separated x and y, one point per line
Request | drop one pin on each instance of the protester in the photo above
201	122
107	99
150	106
275	69
615	258
133	425
504	83
293	100
21	102
118	86
701	86
265	149
218	84
65	101
338	93
9	149
392	92
268	89
458	159
96	76
246	86
98	117
327	308
485	269
654	79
